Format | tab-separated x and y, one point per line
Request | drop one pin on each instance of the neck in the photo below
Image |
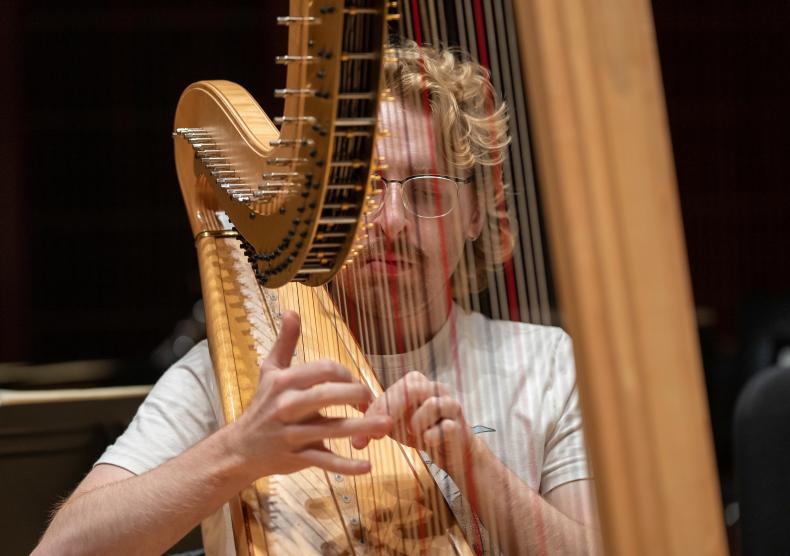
399	330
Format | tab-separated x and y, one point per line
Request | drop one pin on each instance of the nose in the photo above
392	217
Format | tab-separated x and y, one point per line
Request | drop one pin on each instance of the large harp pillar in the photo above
608	182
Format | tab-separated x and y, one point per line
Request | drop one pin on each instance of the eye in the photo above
429	186
420	190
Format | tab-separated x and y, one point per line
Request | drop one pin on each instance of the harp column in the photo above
608	181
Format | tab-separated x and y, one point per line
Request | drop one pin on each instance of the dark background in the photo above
97	257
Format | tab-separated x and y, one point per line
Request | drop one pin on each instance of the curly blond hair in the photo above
474	122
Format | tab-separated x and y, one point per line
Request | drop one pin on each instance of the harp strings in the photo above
517	289
379	310
403	333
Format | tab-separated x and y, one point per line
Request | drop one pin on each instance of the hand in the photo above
282	431
427	418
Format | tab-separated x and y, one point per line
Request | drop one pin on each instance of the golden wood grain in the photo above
616	234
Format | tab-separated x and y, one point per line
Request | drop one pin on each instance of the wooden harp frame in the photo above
608	183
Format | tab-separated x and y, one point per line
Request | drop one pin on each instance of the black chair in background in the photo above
762	462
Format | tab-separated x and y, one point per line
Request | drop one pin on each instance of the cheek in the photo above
442	243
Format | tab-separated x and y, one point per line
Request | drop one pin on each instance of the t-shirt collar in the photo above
427	358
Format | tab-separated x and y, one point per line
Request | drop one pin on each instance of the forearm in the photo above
519	518
148	513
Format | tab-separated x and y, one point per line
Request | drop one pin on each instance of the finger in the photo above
304	376
334	463
401	398
324	427
297	405
398	402
284	346
432	411
444	433
359	441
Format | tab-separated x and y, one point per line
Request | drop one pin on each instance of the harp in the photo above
295	198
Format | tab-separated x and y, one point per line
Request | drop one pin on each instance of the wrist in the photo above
236	464
479	453
475	462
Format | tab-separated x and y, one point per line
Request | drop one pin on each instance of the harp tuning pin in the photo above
288	59
185	130
298	20
281	161
301	142
269	175
280	120
360	11
288	92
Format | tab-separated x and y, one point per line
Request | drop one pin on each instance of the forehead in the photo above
413	144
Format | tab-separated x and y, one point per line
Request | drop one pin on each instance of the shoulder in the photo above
185	396
191	379
194	368
180	410
196	361
534	358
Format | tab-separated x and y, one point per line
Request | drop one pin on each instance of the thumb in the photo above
284	346
376	408
359	441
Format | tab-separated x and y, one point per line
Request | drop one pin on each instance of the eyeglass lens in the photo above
427	197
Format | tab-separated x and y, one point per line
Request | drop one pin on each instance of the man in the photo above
522	486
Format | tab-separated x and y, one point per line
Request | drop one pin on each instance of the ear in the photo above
476	221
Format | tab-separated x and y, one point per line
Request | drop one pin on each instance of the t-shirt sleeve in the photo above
565	457
176	414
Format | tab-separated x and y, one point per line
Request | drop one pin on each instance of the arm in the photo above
522	521
114	511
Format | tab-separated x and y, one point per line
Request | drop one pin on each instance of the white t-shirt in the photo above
515	381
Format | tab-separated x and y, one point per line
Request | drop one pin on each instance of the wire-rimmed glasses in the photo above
424	195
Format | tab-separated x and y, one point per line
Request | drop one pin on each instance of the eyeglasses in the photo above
424	195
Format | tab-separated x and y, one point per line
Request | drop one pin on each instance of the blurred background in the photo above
99	282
